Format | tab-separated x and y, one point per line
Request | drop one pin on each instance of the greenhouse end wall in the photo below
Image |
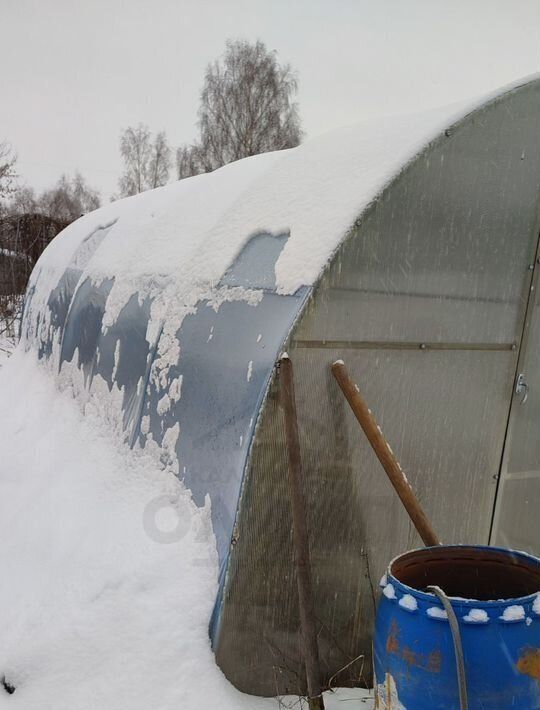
425	302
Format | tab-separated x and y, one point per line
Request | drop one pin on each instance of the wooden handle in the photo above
384	454
300	537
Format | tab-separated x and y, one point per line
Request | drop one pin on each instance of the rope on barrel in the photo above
458	648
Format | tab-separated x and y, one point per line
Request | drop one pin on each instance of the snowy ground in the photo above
108	569
7	345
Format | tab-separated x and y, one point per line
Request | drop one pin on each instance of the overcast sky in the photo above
74	73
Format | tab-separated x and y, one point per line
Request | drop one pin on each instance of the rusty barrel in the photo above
495	594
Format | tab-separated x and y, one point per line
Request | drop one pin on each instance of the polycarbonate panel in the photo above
422	270
82	333
254	267
518	525
59	300
425	302
216	412
120	354
517	518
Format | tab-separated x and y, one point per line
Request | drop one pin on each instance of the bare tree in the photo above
188	161
7	169
246	108
146	162
135	151
68	200
160	161
24	201
83	195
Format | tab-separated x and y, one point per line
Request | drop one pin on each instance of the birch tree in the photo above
8	173
146	161
68	199
247	107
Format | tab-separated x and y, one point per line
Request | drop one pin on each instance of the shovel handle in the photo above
384	454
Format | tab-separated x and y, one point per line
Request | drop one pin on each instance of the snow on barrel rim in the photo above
527	601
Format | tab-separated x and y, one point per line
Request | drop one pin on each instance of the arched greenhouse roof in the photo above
192	230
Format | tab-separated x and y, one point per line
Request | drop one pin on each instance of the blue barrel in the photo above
495	594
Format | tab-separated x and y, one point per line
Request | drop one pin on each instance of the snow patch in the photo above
515	612
175	388
387	695
116	359
145	425
389	591
408	602
476	616
435	612
163	405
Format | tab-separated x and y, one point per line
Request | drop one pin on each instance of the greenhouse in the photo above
408	247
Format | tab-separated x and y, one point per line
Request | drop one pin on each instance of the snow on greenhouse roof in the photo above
194	228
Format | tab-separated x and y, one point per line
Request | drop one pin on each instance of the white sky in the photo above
73	74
